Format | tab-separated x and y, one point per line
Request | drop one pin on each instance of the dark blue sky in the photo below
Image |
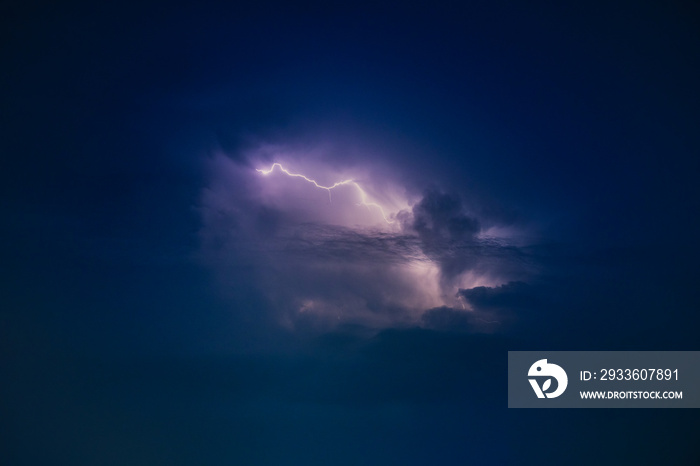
162	305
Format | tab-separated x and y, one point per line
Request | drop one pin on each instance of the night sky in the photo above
514	176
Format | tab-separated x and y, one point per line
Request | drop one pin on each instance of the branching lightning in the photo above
363	194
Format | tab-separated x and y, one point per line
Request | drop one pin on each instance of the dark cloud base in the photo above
345	401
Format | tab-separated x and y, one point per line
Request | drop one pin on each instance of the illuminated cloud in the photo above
331	244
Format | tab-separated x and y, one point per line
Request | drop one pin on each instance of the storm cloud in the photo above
445	231
316	272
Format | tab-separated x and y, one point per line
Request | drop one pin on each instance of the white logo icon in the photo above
543	369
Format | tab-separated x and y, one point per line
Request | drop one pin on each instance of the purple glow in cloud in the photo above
375	253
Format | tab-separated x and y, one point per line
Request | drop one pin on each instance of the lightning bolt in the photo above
363	195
